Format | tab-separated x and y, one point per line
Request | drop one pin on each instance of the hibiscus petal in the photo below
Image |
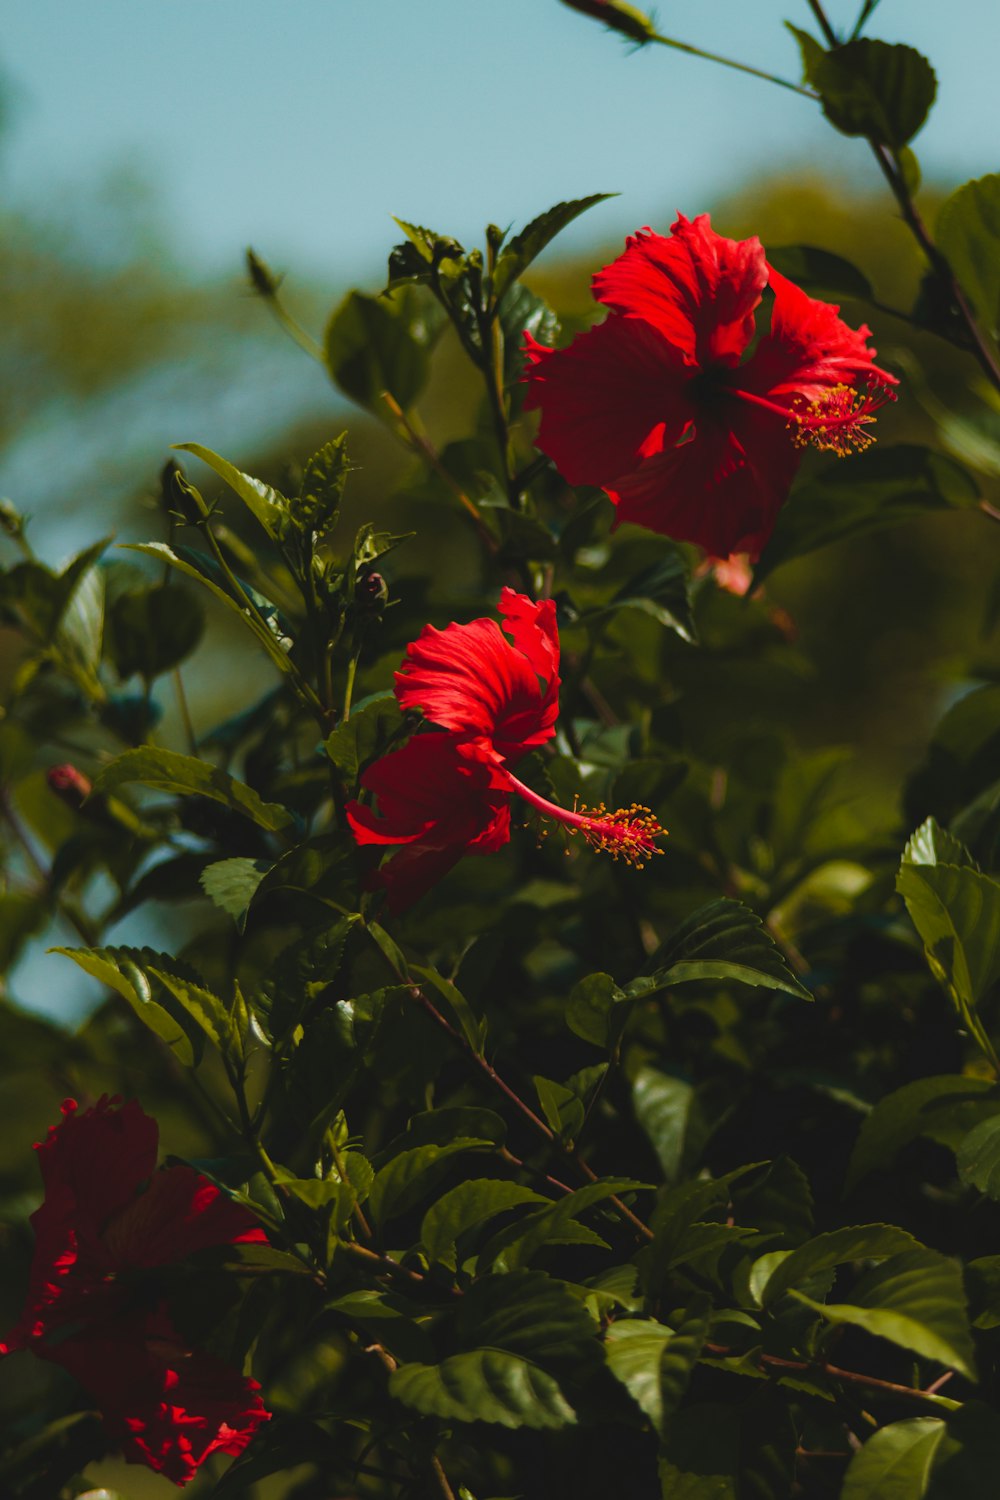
179	1213
723	489
472	680
808	349
697	288
93	1163
610	398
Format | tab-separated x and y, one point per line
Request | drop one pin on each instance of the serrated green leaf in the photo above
466	1207
556	1224
968	233
895	1462
485	1385
819	271
232	884
207	1010
872	88
353	745
878	489
936	1108
185	775
533	238
654	1363
837	1248
323	478
663	1106
407	1177
122	970
527	1313
916	1300
266	504
956	911
932	845
724	940
978	1157
376	344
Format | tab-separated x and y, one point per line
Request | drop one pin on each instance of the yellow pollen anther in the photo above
836	422
628	833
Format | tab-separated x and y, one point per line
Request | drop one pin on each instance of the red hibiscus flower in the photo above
167	1405
658	407
447	794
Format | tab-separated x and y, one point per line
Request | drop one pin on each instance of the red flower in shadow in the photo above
658	406
494	695
167	1405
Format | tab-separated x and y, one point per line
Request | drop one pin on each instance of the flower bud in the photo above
371	591
69	785
262	278
618	17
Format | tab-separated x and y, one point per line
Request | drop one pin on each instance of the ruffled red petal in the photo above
165	1405
697	288
472	680
809	349
94	1163
722	489
180	1213
612	397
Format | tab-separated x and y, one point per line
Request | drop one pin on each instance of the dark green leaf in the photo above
895	1462
941	1109
864	493
527	1313
663	1107
956	911
486	1385
466	1207
563	1109
968	233
590	1009
267	505
837	1248
153	629
122	970
187	776
819	271
323	480
724	940
661	590
701	1458
532	240
872	88
654	1363
916	1300
408	1177
978	1157
353	745
376	344
232	884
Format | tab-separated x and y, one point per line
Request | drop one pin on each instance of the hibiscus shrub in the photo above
512	1144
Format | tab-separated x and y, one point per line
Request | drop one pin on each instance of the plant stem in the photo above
419	444
836	1372
446	1490
914	220
182	704
729	62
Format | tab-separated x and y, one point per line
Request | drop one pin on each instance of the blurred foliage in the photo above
676	1182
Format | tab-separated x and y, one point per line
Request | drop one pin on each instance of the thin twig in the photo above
837	1372
729	62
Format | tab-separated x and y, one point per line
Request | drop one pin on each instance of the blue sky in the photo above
300	127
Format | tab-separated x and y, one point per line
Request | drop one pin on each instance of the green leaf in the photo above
661	590
206	1010
663	1107
466	1207
376	344
837	1248
968	233
941	1109
865	493
872	88
122	970
590	1010
895	1462
956	911
819	271
152	629
187	776
353	745
408	1177
701	1458
968	1459
723	940
532	240
485	1385
932	845
563	1109
232	884
527	1313
267	505
654	1363
472	1028
916	1300
978	1157
555	1225
323	480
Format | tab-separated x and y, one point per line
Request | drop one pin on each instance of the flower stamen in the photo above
627	833
836	422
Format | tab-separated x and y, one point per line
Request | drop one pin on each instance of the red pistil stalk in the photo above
834	422
628	833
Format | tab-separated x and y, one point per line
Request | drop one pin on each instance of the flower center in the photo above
628	833
835	422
